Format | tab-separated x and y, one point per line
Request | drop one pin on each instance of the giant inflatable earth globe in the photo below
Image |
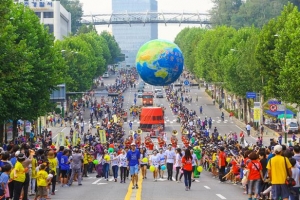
159	62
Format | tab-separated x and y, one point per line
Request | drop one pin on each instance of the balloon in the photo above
163	65
107	157
111	146
145	160
111	150
199	168
163	167
228	160
96	162
152	168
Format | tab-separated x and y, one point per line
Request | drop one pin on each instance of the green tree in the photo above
75	8
30	66
113	46
271	65
223	11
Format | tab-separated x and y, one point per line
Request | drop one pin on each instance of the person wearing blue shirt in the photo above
133	163
6	169
64	167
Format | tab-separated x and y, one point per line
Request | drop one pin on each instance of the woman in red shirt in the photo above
254	175
187	169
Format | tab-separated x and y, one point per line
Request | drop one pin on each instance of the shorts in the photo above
253	186
41	191
143	165
134	169
64	173
280	190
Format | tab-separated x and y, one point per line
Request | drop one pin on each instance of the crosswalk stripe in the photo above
97	181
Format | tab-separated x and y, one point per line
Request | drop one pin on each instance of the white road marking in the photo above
57	133
220	196
97	181
207	187
173	179
101	183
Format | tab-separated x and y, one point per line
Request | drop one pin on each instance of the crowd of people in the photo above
33	168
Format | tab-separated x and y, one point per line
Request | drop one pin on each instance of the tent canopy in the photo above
287	116
276	113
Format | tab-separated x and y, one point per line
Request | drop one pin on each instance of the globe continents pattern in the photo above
159	62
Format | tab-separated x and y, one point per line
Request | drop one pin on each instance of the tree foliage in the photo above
248	59
113	46
238	13
30	67
277	51
87	56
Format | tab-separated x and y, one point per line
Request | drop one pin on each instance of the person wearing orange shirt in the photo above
222	164
187	167
254	175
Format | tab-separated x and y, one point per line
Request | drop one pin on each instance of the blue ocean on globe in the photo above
159	62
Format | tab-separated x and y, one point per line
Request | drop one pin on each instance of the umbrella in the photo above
288	116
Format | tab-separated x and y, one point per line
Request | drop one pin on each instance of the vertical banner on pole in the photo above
75	137
9	131
102	136
60	140
256	112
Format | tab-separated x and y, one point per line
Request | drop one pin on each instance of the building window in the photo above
50	27
38	14
48	14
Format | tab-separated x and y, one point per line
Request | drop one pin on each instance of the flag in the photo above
102	136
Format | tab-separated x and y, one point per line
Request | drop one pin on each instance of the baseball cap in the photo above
17	153
133	144
278	148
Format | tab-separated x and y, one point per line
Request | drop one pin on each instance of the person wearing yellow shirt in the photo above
33	176
279	168
85	164
52	167
42	184
18	176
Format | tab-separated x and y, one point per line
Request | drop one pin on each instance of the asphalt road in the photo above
205	187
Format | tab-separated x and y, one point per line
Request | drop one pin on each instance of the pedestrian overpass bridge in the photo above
147	17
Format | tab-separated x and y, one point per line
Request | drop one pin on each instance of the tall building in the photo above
52	14
131	38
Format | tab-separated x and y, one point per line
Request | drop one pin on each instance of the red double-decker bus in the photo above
147	99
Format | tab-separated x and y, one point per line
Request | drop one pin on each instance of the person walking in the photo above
170	158
133	163
76	165
279	168
248	129
187	167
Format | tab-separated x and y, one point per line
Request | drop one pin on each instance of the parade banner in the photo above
102	136
256	114
27	127
9	131
60	139
115	118
75	137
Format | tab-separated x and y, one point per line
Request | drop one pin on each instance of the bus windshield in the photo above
147	96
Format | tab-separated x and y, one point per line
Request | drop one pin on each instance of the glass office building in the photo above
131	38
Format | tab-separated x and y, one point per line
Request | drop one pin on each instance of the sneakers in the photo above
136	186
186	188
133	187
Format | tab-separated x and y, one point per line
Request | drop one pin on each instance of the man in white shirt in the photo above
248	128
170	158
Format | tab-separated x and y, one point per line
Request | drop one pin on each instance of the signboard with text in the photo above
37	4
256	112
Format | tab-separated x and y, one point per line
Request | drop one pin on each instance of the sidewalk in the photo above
268	133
